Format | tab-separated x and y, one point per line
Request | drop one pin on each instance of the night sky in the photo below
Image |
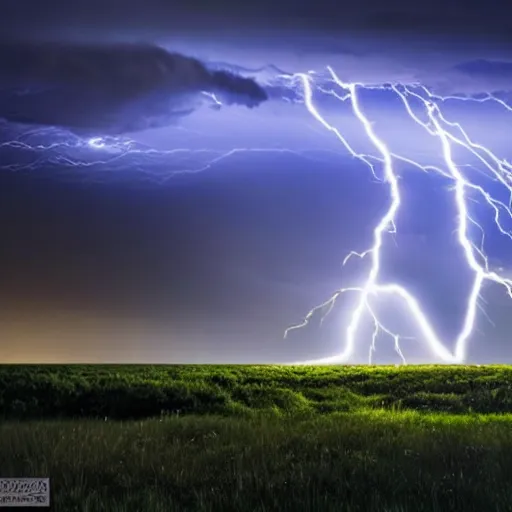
110	262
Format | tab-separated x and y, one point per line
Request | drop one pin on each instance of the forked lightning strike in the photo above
107	153
437	126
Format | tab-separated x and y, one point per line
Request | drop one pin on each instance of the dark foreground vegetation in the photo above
124	392
239	438
375	461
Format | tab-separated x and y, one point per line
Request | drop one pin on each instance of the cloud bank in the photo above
447	65
110	88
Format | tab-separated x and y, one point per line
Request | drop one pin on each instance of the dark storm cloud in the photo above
163	17
487	68
441	17
112	88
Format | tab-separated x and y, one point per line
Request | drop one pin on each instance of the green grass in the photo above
261	438
373	461
124	392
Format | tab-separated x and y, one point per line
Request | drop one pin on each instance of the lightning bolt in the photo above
69	151
373	287
76	153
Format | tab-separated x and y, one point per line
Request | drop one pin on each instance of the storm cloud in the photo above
110	88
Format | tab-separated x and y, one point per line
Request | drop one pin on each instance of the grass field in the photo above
240	438
123	392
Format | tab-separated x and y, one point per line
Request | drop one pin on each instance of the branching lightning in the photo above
437	126
110	153
423	107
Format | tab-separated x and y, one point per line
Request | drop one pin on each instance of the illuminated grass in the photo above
119	391
261	438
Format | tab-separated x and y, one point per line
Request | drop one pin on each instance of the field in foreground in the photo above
122	392
373	461
261	438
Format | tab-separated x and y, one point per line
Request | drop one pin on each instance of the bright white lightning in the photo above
76	153
96	143
107	152
437	126
215	102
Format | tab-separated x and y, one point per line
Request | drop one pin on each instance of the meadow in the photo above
134	392
260	438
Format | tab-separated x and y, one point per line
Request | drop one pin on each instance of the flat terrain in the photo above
261	438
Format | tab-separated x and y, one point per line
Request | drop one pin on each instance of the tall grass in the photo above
359	461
